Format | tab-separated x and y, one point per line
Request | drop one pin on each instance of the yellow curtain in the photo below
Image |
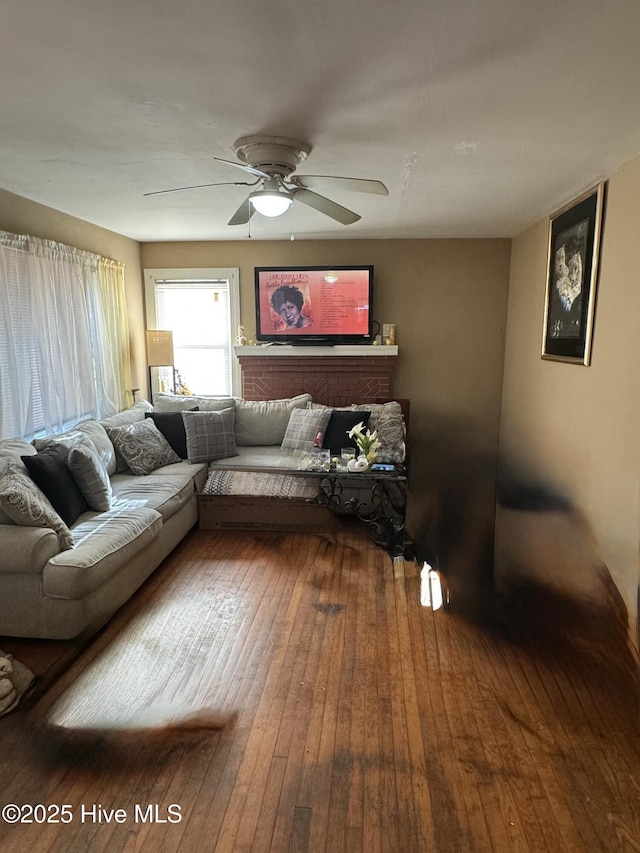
111	275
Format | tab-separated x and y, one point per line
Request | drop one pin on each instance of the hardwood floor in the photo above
358	720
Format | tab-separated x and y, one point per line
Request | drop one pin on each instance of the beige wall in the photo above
576	427
21	216
448	300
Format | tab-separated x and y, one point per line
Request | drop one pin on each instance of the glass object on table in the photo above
346	454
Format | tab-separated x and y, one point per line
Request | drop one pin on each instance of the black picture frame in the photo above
575	234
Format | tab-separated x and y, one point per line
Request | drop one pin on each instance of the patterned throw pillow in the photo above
210	435
142	446
131	415
303	427
90	476
26	504
387	420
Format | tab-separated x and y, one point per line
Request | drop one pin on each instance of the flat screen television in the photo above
314	305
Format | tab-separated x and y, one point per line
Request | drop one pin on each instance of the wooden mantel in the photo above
335	376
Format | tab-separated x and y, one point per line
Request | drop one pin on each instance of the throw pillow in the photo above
48	470
142	446
171	426
303	427
265	421
90	476
388	421
11	449
210	435
101	441
26	504
340	422
133	414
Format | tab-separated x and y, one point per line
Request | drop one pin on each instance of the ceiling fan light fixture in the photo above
270	202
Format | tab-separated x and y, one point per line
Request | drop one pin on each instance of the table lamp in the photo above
159	354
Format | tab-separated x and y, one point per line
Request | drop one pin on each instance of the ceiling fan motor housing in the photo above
275	155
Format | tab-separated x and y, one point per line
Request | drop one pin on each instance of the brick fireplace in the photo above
335	376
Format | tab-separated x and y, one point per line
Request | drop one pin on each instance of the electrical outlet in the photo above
386	330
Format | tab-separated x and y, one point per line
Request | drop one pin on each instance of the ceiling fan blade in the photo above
244	168
203	186
328	182
243	214
325	205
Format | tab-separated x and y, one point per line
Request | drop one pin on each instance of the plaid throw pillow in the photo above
210	435
90	475
304	425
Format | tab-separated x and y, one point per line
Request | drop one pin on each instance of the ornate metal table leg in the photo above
384	512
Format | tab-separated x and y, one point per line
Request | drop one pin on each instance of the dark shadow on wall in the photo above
514	552
451	511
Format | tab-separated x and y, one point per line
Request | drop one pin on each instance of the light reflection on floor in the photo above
430	588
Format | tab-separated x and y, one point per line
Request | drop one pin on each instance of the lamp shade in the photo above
159	347
270	202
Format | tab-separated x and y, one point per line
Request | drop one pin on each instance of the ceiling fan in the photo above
272	160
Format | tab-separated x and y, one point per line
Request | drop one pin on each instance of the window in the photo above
202	309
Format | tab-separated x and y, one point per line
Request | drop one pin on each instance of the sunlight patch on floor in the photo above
430	588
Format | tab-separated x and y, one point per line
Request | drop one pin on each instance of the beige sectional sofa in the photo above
60	581
51	591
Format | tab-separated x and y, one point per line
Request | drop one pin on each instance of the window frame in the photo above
230	274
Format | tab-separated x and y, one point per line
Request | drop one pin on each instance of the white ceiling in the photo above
481	116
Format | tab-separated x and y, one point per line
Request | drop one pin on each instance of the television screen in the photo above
314	305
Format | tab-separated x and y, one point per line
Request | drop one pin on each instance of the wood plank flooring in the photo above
359	720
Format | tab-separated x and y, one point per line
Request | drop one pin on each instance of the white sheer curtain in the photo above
113	362
55	343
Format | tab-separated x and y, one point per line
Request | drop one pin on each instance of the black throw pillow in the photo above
171	426
48	470
340	422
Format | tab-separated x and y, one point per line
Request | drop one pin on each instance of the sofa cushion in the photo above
164	493
15	448
265	421
90	476
142	446
210	435
182	403
61	443
48	470
196	472
27	505
340	422
303	428
131	415
105	542
258	457
171	426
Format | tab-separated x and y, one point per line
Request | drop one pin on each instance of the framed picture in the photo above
572	274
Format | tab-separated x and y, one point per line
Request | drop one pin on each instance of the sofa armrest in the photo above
26	549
